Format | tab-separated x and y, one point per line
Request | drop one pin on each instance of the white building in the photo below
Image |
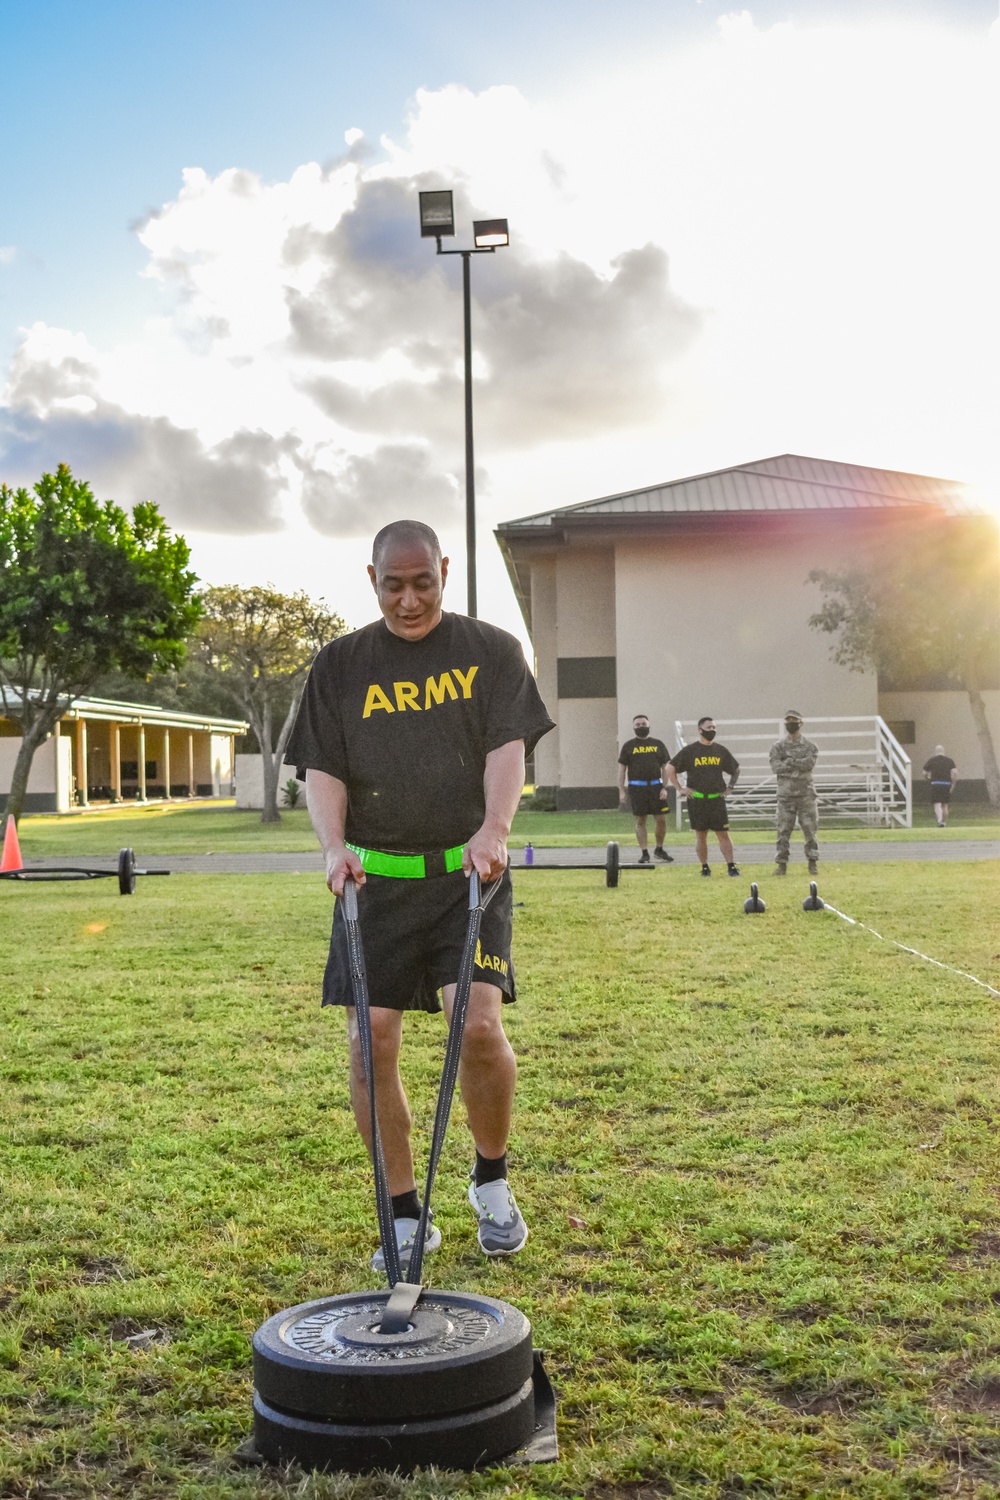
692	597
102	751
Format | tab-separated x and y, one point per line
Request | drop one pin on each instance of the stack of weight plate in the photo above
453	1390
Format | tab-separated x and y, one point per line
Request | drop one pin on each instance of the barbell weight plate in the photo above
612	863
464	1440
126	872
328	1359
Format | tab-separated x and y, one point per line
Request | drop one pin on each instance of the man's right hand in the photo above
622	798
340	863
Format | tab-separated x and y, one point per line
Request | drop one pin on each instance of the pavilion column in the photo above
142	762
191	786
166	763
116	761
81	763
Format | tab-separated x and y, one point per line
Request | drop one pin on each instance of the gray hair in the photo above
405	531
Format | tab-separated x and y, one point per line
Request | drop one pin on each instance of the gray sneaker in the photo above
405	1231
502	1231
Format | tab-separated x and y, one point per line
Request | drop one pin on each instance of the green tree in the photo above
85	589
260	644
926	608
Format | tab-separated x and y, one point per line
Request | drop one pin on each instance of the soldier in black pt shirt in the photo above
642	762
413	733
704	762
941	771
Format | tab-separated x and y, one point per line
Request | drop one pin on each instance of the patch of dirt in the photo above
984	1247
138	1336
809	1312
983	1398
100	1268
836	1402
652	1488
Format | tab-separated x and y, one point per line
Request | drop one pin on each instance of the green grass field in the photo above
181	829
758	1157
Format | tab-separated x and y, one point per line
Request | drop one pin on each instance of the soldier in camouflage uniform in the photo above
792	760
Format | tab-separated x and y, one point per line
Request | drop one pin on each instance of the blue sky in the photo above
106	104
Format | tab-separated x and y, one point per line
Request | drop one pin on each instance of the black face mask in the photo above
792	726
641	730
707	734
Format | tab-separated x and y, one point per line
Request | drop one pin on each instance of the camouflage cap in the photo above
793	713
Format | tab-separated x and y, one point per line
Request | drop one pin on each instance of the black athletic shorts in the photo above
645	800
708	814
940	791
413	933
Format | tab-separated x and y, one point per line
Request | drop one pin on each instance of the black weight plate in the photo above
466	1441
327	1358
126	872
612	863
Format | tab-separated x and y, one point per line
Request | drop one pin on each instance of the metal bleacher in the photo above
863	774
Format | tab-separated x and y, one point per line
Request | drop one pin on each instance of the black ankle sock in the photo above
488	1170
406	1205
732	864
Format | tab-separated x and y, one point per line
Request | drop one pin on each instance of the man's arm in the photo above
622	773
734	774
954	775
503	783
672	779
326	798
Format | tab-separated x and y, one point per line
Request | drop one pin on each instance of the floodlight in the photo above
437	214
488	233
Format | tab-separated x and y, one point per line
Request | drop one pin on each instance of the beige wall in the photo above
543	621
719	625
42	776
943	719
585	626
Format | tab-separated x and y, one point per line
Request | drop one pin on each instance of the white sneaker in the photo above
405	1231
502	1231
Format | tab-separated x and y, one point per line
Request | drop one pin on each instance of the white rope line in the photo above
915	951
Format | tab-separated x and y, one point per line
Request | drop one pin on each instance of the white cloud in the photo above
782	238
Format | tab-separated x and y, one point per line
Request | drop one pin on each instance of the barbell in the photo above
125	870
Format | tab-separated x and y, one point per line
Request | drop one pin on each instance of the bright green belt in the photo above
692	793
409	866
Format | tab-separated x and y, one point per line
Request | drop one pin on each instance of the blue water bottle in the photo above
529	855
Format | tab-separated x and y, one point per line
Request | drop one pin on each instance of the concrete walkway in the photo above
311	863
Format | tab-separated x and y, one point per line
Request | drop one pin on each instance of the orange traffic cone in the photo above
11	858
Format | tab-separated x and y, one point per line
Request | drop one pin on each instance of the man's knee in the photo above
386	1026
484	1034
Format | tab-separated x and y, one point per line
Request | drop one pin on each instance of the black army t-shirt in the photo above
940	768
643	758
704	765
407	726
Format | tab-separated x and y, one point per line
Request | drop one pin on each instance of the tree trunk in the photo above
30	741
273	761
270	768
991	770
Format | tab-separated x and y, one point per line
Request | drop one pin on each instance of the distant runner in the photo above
413	731
942	773
705	764
642	765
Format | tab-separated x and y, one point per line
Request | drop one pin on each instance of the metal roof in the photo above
139	713
787	482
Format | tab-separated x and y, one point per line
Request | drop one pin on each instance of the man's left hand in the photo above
486	852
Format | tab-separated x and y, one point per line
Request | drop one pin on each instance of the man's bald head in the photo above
405	534
408	575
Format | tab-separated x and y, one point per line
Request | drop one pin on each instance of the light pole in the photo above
437	218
